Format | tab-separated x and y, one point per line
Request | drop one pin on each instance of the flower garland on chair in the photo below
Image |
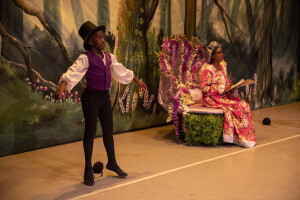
180	60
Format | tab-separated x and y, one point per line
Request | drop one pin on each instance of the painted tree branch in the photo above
24	51
218	3
49	84
223	14
32	74
223	9
27	8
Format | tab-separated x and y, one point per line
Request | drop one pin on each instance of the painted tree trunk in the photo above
264	68
103	14
133	21
77	13
165	17
203	30
13	24
190	18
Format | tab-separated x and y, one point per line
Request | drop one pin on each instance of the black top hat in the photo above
86	30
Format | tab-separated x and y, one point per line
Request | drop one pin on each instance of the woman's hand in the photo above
61	90
227	88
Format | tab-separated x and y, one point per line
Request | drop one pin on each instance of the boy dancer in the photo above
98	66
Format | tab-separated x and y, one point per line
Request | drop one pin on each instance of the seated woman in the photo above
238	125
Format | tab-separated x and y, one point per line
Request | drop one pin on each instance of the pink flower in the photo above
76	93
37	81
45	88
78	99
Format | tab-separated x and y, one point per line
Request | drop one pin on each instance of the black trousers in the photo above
96	104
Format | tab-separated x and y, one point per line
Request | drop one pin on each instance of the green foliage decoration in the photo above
204	129
30	121
7	70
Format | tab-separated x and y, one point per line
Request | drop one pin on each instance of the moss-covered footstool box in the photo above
204	129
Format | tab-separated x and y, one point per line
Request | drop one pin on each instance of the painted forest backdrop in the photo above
39	41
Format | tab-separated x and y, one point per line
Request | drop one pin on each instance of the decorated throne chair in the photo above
179	92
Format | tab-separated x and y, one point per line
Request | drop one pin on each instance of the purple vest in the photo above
98	76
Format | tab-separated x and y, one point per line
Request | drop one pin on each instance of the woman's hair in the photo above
210	50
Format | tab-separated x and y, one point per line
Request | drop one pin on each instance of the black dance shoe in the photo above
89	178
117	169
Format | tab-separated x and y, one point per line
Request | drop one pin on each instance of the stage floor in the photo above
160	168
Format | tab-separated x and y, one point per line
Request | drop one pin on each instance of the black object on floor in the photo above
98	167
266	121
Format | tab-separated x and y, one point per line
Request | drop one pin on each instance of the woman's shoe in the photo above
117	169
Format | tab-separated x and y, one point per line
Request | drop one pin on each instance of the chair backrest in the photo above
180	64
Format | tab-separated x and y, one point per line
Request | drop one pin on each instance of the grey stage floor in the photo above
160	168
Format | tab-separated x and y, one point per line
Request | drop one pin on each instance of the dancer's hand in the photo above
61	90
140	83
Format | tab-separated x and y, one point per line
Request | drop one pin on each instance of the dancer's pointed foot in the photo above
117	169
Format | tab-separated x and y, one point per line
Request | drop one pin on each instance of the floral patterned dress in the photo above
238	125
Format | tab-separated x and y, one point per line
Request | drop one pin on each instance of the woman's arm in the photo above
228	81
209	86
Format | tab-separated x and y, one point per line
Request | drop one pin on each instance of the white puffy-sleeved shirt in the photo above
79	68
